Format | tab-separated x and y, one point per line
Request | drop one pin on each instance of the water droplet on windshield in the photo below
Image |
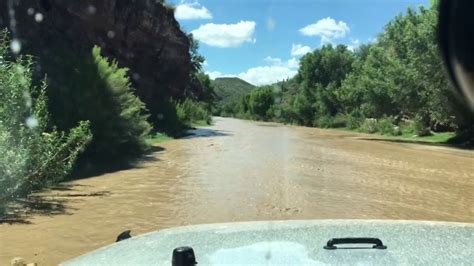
31	122
111	34
136	76
15	46
20	69
91	10
27	97
39	17
30	11
23	81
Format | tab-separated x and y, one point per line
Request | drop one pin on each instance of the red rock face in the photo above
141	35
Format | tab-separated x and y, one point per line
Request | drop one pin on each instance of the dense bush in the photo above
303	110
260	103
95	89
355	119
33	154
190	111
340	121
369	125
386	126
418	127
325	121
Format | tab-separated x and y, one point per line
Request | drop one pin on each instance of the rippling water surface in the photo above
241	171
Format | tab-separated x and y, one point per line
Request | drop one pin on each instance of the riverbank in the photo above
159	138
442	138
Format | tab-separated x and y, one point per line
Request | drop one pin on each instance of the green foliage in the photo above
200	88
355	119
158	138
196	59
124	126
340	121
228	93
373	86
190	111
303	110
208	94
229	109
260	102
320	75
326	65
369	126
325	122
416	127
93	88
34	154
385	126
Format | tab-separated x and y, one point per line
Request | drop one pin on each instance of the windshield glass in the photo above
146	115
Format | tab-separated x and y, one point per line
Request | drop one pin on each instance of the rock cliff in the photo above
141	35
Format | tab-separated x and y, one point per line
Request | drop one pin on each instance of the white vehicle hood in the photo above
297	242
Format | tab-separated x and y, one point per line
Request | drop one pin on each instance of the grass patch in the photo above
443	137
158	138
200	123
440	138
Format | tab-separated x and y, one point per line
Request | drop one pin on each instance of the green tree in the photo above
34	153
260	101
196	59
413	39
190	111
326	65
303	109
375	86
207	94
95	89
320	74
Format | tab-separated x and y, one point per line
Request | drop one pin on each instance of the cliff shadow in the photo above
205	133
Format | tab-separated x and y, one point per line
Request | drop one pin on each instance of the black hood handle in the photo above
377	243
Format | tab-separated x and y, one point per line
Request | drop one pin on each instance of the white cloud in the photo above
354	45
215	74
225	35
275	61
299	49
372	40
293	63
270	24
275	70
327	28
263	75
194	10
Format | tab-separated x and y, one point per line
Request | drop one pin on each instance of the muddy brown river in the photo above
244	171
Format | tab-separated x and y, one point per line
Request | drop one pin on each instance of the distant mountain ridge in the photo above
228	89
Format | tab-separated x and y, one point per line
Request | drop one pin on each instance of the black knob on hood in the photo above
183	256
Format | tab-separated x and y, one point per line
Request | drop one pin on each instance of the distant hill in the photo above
228	89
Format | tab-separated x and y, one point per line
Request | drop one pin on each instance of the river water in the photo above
244	171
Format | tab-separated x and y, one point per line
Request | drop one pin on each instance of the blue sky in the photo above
262	41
